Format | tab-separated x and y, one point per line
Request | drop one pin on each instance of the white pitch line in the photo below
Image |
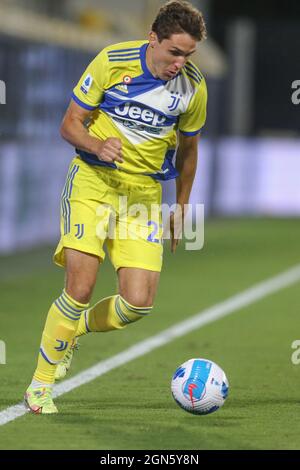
209	315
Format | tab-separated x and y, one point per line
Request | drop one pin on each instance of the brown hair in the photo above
176	17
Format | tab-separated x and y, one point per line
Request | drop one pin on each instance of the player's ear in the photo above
153	39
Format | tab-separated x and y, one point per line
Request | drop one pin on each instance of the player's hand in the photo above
110	150
176	224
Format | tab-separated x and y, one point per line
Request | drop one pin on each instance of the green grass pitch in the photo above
131	407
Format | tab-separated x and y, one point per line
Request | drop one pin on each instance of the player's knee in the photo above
81	274
137	299
129	313
81	293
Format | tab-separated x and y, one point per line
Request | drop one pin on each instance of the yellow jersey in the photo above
143	111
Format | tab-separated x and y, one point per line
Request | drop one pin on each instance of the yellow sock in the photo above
111	313
60	328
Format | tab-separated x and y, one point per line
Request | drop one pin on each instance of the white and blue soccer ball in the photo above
199	386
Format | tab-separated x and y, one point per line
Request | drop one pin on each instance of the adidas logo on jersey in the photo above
122	88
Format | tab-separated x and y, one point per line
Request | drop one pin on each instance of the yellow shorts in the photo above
102	206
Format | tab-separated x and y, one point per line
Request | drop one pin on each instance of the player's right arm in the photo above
74	131
86	98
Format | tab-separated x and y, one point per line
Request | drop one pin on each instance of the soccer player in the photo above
137	104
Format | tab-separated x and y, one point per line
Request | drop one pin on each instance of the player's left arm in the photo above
186	165
190	124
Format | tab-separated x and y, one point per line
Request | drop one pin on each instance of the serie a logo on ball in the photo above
199	386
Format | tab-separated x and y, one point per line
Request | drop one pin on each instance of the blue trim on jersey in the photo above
82	104
194	68
138	86
168	171
123	58
122	55
147	73
92	159
194	77
124	50
191	133
127	54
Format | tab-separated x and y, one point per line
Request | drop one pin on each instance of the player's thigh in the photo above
81	274
137	253
138	286
84	213
137	258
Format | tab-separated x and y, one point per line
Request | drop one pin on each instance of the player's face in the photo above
167	57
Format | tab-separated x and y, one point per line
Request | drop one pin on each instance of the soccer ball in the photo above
199	386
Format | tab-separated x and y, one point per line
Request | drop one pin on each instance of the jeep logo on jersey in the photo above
145	115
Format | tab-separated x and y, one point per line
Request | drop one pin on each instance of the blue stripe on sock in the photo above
53	363
140	311
68	304
72	302
66	309
86	321
79	307
64	313
121	315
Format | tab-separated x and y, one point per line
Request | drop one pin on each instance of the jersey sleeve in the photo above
89	90
192	121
